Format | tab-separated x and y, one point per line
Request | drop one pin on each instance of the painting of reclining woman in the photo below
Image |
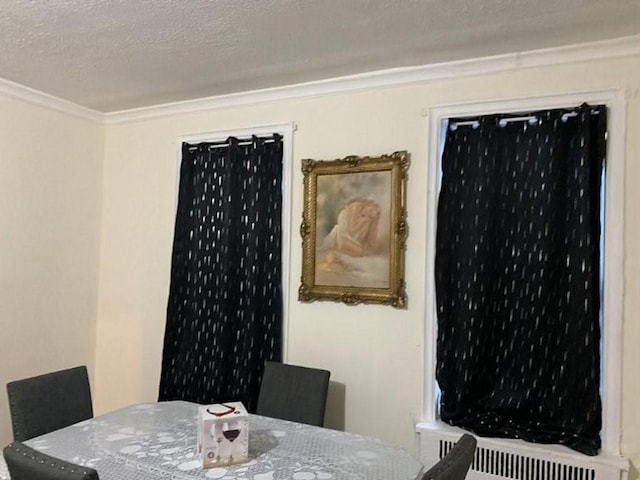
353	235
354	230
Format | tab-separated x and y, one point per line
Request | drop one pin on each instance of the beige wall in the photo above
50	187
376	352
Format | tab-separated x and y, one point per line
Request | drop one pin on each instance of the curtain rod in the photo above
532	119
241	142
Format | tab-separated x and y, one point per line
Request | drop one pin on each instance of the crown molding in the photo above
584	52
14	90
607	49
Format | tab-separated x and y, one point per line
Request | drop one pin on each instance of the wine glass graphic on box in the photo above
223	434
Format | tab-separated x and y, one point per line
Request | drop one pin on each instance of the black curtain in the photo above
518	276
224	313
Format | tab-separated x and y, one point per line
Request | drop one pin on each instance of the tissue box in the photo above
223	434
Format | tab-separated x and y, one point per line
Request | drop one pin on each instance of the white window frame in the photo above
611	372
286	131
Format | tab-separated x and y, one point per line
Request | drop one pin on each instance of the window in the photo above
612	301
225	313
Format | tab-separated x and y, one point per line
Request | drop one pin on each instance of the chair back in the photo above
455	464
45	403
25	463
292	392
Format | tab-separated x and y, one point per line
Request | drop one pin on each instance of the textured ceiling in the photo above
111	55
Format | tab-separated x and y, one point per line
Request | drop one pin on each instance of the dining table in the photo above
159	441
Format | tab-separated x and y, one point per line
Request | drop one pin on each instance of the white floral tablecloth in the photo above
158	441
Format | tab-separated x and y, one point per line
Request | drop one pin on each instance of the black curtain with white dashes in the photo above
518	276
224	313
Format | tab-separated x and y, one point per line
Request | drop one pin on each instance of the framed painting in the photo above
354	230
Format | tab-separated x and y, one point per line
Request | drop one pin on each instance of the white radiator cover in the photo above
498	459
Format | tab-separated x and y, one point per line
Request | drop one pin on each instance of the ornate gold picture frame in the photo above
354	230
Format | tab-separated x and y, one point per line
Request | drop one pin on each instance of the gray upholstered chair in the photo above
45	403
294	393
25	463
455	464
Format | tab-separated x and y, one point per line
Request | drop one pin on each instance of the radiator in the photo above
498	459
